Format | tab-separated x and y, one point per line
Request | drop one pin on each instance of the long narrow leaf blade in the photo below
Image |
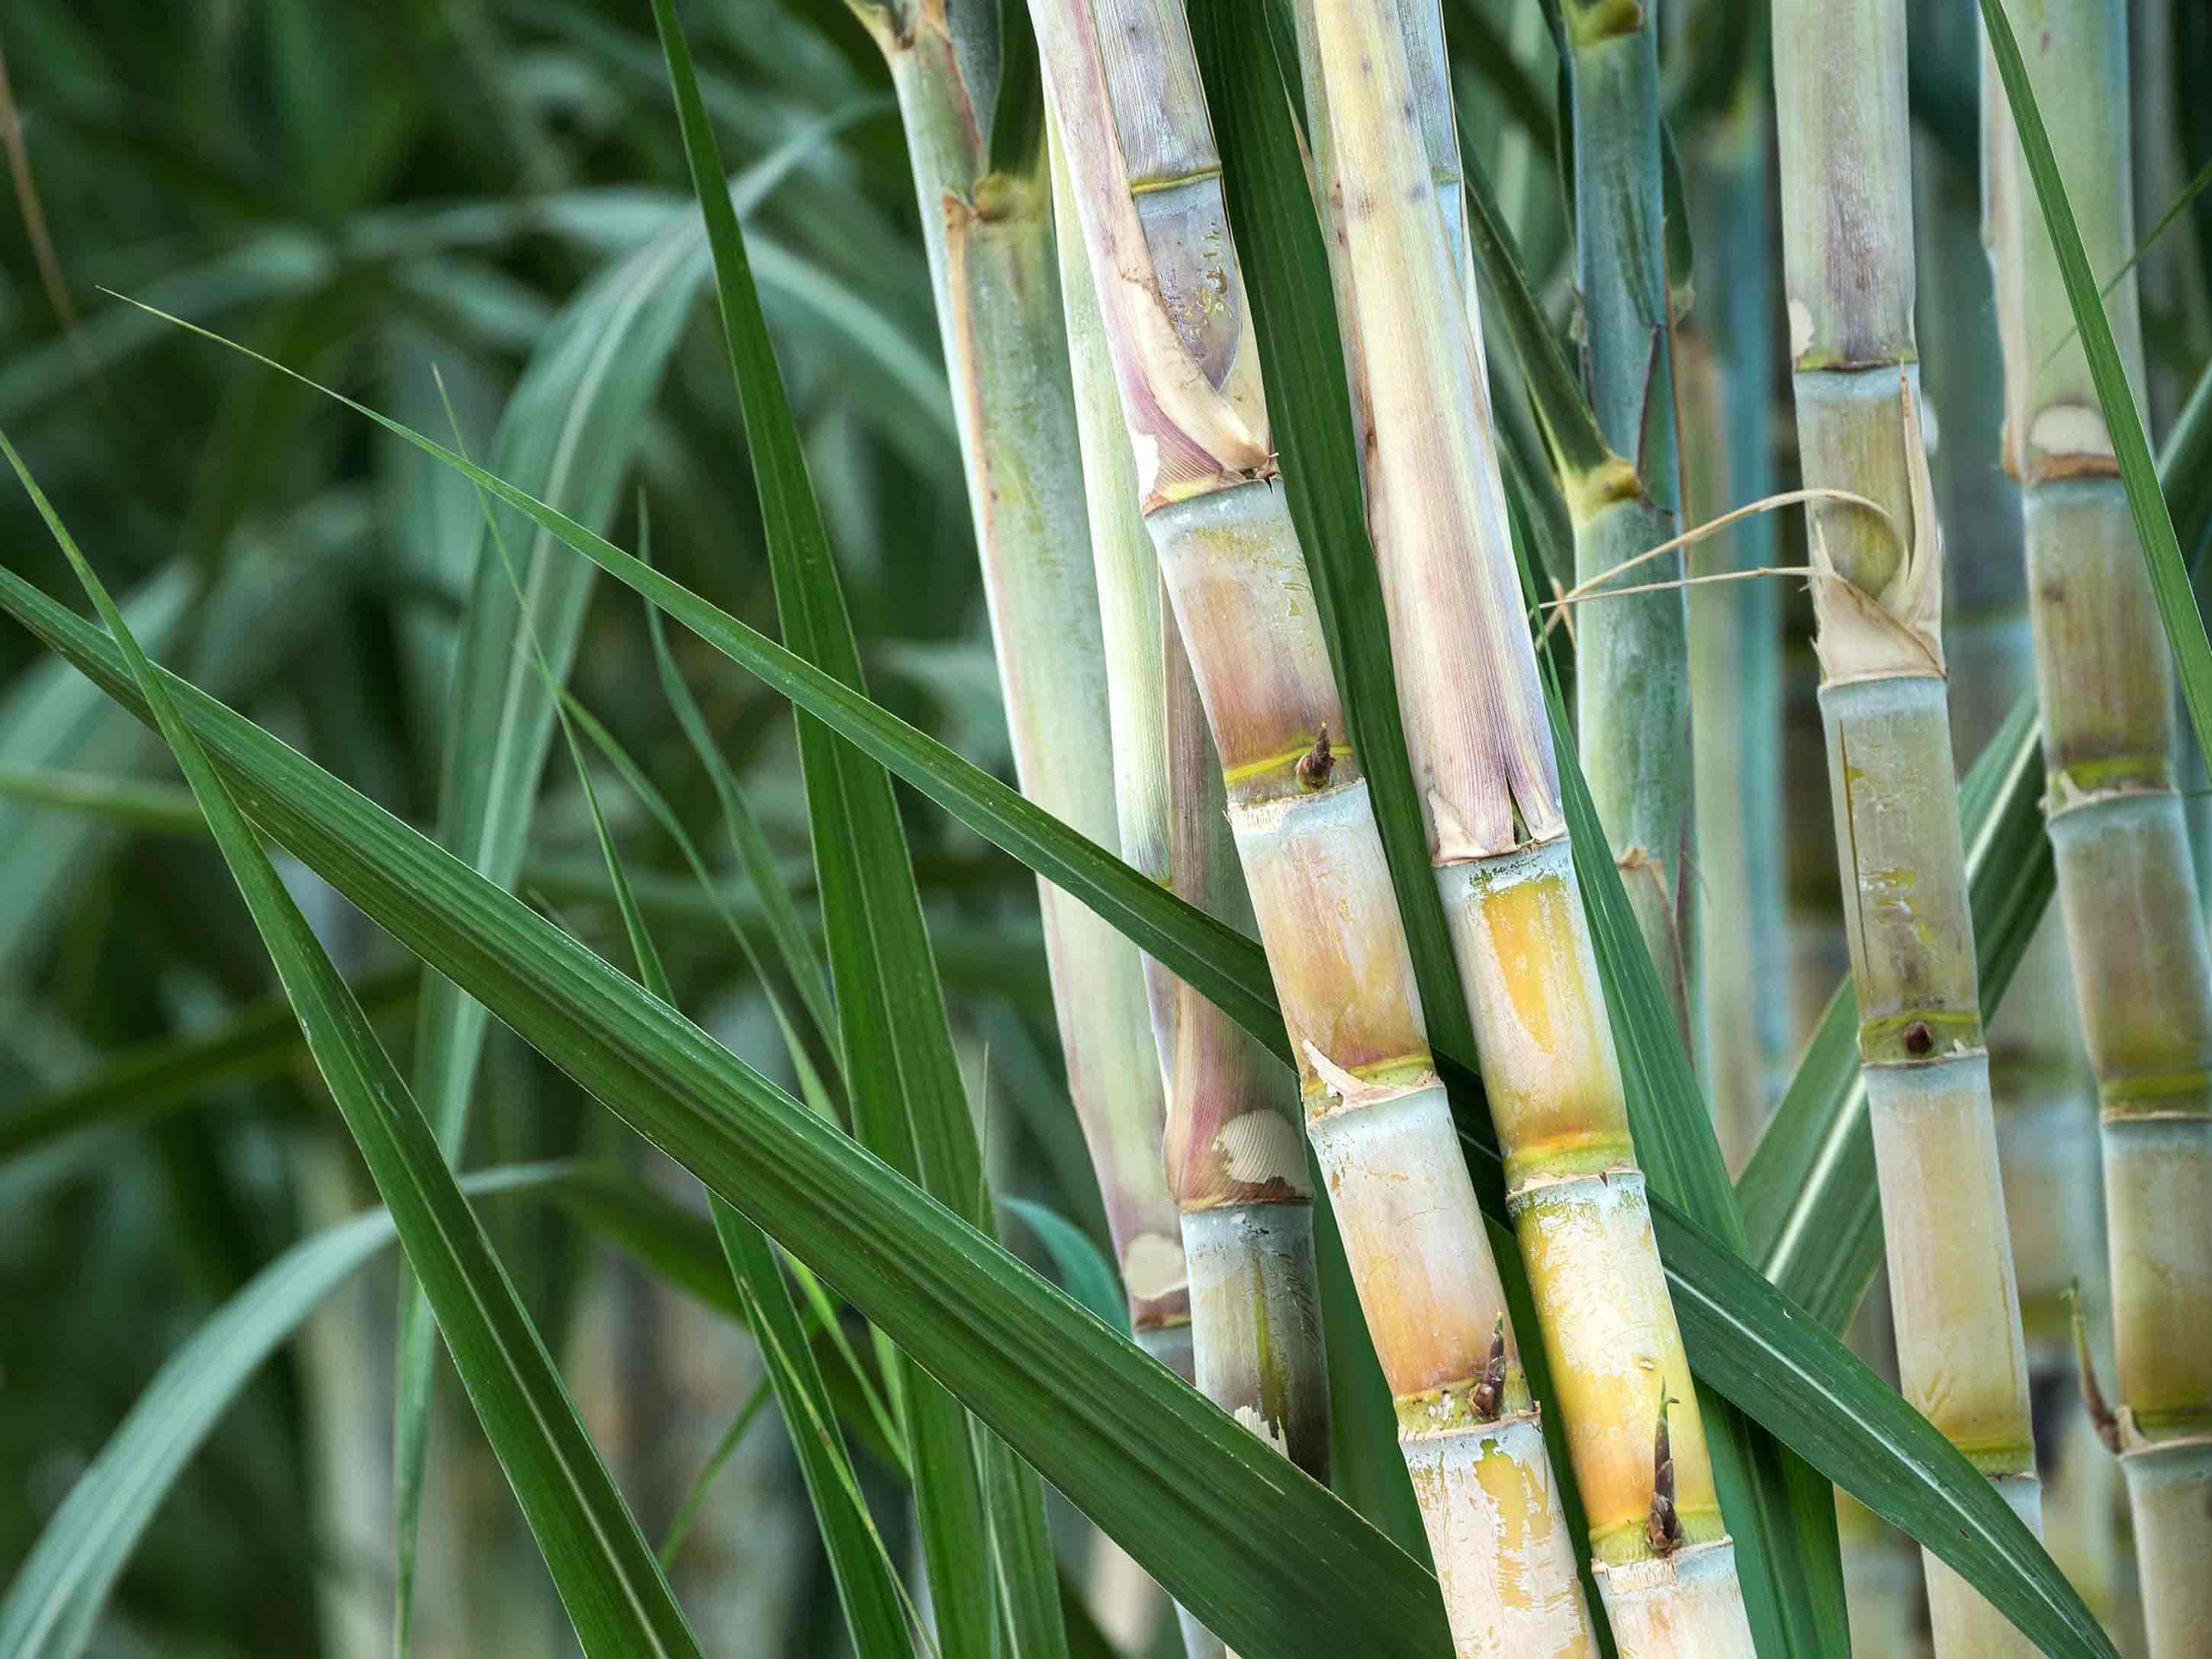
568	429
982	1516
1158	1469
617	1596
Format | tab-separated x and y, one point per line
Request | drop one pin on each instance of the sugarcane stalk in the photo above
2046	1123
1146	181
1480	742
989	235
2126	885
1840	69
1234	1158
1736	627
1632	655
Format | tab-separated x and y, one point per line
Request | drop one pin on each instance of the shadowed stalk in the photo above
2126	885
1736	666
1146	181
1840	69
1631	655
1480	745
988	234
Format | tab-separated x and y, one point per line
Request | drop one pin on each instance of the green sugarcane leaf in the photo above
1184	940
633	916
1222	965
159	809
1812	1211
981	1516
1018	113
1158	1469
569	430
2139	477
616	1597
1478	41
1774	1361
1144	1455
867	1586
1084	1272
1577	443
51	1607
1681	246
747	840
258	1040
54	1602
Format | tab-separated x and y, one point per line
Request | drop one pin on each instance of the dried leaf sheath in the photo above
1179	331
1839	75
1477	734
989	240
2126	886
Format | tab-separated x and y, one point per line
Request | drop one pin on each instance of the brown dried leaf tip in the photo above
1489	1393
2101	1415
1664	1530
1315	765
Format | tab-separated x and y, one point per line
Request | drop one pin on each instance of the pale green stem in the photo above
1235	1160
1631	655
1735	630
995	276
2045	1119
2127	887
1839	69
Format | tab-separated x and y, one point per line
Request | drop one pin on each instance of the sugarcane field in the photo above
1105	829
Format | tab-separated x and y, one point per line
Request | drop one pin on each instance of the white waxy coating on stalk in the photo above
2068	429
1689	1603
1153	1266
2170	1488
1960	1356
1506	1567
1403	1206
1255	1309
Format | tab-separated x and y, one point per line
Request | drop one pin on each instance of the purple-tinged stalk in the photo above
1146	183
1234	1157
1479	738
